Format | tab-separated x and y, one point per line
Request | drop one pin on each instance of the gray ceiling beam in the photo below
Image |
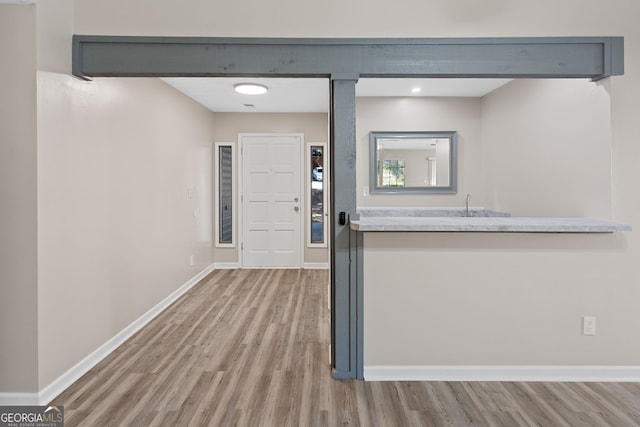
559	57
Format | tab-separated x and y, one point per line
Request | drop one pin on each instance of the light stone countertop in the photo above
486	224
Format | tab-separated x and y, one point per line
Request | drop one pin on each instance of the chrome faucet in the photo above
466	205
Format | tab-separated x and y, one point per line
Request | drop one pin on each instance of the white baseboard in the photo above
306	265
225	265
316	265
22	2
503	373
19	399
65	380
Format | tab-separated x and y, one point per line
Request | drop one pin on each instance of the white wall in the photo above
497	299
548	148
124	185
122	166
18	232
356	18
514	299
423	114
314	126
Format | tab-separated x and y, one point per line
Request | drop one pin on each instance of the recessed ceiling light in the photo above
250	88
416	90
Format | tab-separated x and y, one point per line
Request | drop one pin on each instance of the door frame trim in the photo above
240	196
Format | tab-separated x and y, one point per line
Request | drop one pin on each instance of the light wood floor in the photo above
250	348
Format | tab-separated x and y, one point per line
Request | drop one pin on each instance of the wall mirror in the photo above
413	162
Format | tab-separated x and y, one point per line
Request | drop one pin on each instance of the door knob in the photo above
295	208
295	200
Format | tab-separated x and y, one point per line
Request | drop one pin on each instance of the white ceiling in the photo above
284	95
429	87
312	95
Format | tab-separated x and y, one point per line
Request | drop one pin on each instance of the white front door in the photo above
271	200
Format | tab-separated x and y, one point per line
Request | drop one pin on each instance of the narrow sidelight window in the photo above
317	194
224	200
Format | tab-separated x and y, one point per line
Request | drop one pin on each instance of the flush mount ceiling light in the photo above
416	90
250	88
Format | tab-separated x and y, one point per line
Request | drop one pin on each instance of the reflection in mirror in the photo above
413	162
317	158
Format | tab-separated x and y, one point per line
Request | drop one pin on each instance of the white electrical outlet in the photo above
588	325
191	260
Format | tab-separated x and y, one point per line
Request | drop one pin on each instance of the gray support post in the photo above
344	340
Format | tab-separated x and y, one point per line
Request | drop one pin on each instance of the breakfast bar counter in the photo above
473	220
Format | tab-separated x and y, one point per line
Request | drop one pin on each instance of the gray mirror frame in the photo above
452	188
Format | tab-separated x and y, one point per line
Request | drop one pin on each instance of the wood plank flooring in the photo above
251	348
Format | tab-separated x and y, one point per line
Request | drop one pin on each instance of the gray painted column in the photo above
344	307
